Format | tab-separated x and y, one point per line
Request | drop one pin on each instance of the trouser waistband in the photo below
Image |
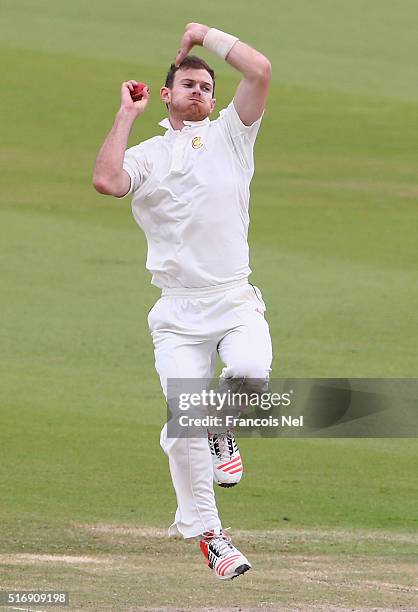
202	291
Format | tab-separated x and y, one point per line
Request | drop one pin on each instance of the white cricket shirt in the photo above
190	195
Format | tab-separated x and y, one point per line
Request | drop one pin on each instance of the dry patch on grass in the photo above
257	608
140	532
139	568
27	558
320	536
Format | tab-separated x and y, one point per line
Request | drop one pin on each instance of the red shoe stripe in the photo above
229	463
226	562
230	469
228	565
235	471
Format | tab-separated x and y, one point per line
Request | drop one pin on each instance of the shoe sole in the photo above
241	569
227	485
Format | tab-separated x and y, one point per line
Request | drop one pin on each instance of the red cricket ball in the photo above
137	92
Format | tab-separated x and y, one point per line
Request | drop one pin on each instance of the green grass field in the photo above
84	487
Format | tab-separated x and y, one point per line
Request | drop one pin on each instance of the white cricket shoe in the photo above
226	561
226	459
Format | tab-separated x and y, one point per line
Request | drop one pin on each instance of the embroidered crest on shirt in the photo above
197	142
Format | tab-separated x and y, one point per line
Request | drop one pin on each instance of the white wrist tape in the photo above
219	42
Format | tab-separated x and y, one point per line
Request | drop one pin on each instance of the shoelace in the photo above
220	542
222	441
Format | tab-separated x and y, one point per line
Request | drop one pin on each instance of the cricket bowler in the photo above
190	195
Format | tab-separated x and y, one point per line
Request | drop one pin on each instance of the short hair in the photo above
191	61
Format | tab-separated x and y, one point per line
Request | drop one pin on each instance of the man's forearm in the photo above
251	63
108	175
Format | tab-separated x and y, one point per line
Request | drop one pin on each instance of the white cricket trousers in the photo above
189	327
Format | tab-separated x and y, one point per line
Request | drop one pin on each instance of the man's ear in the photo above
165	94
212	104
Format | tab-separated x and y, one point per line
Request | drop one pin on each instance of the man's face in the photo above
190	98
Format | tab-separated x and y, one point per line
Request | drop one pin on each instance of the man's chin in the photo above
195	116
195	111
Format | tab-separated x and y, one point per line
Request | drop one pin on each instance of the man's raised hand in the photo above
193	35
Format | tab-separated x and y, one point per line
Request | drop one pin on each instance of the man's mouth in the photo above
196	100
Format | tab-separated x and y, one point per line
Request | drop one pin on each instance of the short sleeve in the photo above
242	137
135	164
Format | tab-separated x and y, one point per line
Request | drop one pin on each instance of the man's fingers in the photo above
145	93
185	46
179	59
182	54
129	84
125	91
194	35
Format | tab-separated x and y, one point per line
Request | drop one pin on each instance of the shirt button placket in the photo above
178	153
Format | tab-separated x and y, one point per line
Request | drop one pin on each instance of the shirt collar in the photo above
165	123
